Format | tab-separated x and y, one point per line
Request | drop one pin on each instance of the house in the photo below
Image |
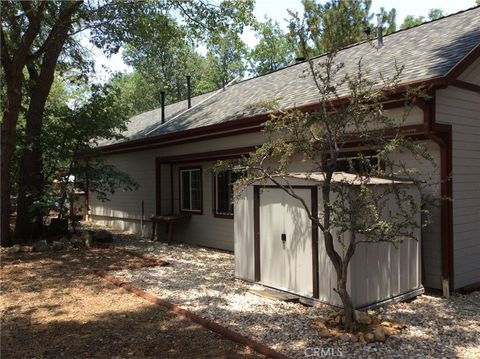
170	156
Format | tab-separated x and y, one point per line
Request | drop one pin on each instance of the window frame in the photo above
215	197
380	165
180	190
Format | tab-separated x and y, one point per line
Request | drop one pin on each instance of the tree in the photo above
273	50
318	137
226	58
411	20
70	134
37	37
336	24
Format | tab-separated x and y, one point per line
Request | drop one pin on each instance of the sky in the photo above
277	10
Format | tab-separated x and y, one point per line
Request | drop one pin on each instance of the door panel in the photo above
285	264
298	251
272	254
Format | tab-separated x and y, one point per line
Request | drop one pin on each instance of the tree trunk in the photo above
8	131
13	64
30	186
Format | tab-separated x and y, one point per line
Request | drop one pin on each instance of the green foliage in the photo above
411	20
336	24
70	161
274	49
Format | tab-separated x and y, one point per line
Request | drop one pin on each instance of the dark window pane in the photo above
196	190
185	190
225	193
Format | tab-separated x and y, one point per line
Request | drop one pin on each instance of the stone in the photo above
25	249
16	248
77	242
40	246
58	245
361	337
319	324
369	337
102	236
362	318
325	333
338	319
379	334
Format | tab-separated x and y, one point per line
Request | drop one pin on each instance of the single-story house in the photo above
170	151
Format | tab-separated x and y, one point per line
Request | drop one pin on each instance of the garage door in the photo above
285	241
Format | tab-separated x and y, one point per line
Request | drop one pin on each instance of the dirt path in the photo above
52	305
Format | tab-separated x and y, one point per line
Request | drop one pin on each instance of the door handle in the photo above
284	237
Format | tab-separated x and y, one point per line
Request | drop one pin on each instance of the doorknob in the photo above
284	237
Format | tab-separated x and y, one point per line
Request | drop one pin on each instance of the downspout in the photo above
441	134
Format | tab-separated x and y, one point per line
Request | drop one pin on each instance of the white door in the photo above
285	241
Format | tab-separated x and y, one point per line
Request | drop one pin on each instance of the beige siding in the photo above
461	108
123	210
429	172
472	74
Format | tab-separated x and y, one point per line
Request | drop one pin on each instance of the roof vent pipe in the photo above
379	31
189	92
162	102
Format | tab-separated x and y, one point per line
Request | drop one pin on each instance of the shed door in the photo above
285	241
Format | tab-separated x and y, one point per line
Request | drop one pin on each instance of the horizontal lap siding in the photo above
431	236
461	108
203	229
123	209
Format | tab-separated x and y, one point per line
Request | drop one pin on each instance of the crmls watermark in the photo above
322	352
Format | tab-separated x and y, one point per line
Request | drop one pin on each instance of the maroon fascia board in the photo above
254	122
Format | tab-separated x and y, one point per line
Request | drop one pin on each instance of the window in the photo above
224	193
191	190
357	165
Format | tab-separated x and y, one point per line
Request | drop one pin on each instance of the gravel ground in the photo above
202	280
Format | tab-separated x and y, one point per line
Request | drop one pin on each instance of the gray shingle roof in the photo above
426	51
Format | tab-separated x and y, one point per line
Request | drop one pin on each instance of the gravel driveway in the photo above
202	280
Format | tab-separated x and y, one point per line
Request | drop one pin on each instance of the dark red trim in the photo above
158	188
442	135
256	233
253	123
213	326
211	155
466	86
172	206
196	212
464	63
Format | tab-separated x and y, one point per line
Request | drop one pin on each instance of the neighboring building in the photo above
172	160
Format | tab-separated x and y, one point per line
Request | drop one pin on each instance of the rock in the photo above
379	334
348	337
25	249
16	248
77	242
338	319
369	337
58	245
361	337
319	324
102	236
40	246
362	318
325	333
